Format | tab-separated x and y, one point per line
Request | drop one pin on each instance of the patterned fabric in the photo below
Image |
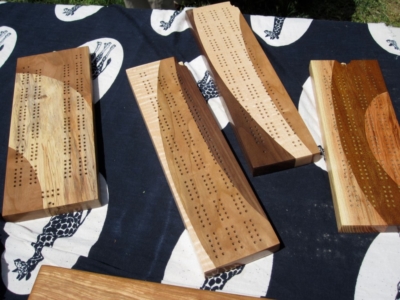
138	232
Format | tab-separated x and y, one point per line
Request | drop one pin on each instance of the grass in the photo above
363	11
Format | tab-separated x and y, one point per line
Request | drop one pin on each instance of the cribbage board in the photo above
267	124
51	165
225	221
362	144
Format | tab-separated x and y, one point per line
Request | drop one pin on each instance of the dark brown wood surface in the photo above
362	144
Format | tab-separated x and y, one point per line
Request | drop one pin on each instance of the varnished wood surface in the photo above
362	144
268	127
51	164
59	283
221	212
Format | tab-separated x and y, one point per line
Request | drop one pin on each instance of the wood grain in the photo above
51	163
225	221
59	283
267	125
362	144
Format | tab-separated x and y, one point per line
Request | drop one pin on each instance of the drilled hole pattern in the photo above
350	92
249	83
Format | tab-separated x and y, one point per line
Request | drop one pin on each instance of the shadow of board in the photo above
315	9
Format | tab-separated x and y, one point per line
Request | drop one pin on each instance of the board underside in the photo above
362	144
51	165
267	124
226	223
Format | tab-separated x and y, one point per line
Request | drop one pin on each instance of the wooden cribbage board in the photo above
225	221
267	124
362	144
51	165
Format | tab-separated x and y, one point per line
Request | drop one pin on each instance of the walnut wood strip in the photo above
51	165
362	144
266	122
223	216
59	283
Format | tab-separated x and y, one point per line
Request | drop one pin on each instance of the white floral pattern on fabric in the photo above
8	39
379	274
183	269
107	56
199	69
386	37
277	32
165	22
20	246
69	13
308	111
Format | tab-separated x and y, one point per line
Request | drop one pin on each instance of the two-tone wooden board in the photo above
361	137
225	221
51	164
267	125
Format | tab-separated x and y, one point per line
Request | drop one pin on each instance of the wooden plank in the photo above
58	283
362	144
225	221
51	165
267	125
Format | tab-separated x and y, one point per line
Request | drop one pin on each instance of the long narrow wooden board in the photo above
362	144
267	124
51	166
225	221
59	283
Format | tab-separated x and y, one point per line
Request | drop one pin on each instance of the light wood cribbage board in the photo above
362	144
225	221
51	165
267	124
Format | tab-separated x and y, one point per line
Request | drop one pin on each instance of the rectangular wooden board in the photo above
59	283
267	124
226	223
362	144
51	164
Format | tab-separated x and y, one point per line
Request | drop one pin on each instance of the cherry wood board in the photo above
362	144
59	283
226	223
267	124
51	166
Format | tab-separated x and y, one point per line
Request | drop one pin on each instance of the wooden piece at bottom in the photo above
59	283
362	144
223	216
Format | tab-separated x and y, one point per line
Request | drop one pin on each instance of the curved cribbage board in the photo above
51	165
362	144
267	125
223	216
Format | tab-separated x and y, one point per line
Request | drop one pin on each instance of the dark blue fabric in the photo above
143	224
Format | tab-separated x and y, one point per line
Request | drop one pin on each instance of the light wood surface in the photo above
51	165
362	144
267	125
225	221
59	283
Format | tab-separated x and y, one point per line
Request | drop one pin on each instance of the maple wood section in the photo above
59	283
51	163
267	125
362	145
226	223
